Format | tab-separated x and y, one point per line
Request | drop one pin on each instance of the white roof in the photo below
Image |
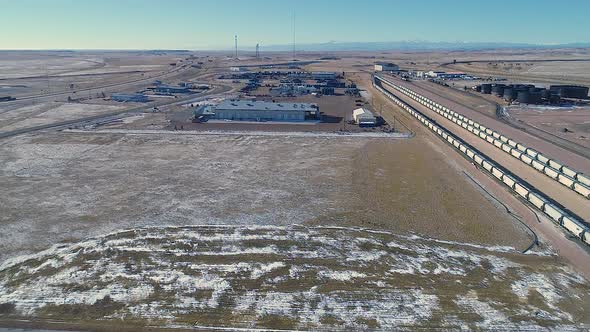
251	105
363	113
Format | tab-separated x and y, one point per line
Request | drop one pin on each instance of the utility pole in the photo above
236	45
293	35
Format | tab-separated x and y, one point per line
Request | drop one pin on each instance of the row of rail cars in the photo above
567	176
572	224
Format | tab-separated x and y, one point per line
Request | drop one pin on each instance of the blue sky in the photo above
200	24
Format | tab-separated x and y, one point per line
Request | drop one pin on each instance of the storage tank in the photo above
535	97
486	88
554	99
570	91
498	90
523	97
509	94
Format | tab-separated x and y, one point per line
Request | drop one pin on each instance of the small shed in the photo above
364	118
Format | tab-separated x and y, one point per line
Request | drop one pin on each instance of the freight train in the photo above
575	226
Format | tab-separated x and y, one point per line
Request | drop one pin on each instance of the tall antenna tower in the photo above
257	51
236	44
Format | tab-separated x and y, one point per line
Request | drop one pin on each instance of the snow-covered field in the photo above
244	133
11	67
293	277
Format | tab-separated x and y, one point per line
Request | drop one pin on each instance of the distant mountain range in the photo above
416	46
409	45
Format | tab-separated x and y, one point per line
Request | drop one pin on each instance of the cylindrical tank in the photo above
498	90
570	91
535	97
509	94
554	99
486	88
523	97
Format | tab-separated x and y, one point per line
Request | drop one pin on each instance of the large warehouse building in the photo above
249	110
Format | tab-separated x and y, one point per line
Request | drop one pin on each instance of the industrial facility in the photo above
238	69
570	91
134	97
529	94
364	118
324	75
169	89
251	110
386	66
444	75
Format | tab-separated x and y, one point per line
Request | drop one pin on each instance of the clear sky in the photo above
200	24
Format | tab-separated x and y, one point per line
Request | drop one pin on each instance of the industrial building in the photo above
364	118
135	97
250	110
445	75
418	74
287	89
324	75
238	69
434	74
451	75
386	66
171	89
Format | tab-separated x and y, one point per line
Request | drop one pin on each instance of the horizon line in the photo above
277	47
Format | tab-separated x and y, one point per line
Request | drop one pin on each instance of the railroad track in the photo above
559	172
573	224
